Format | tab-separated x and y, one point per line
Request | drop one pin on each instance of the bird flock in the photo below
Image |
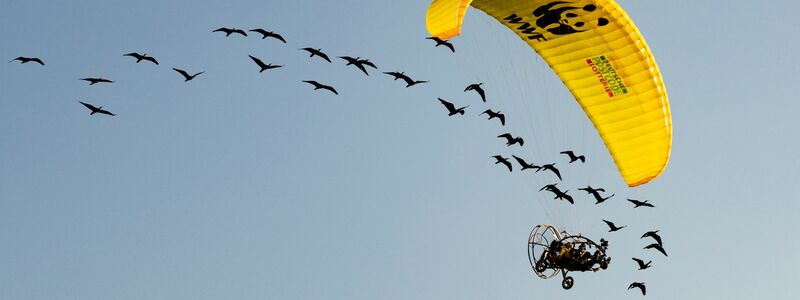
452	109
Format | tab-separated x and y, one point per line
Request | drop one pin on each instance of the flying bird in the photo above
400	75
229	31
186	75
639	285
654	235
549	187
596	194
92	81
613	227
262	65
642	265
318	85
23	60
510	140
562	195
440	42
573	157
496	114
551	168
478	89
141	57
359	63
525	165
269	34
504	161
98	110
317	52
638	203
451	109
657	247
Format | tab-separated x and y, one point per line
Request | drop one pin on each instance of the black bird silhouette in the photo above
573	158
477	88
262	65
98	110
267	34
562	195
141	57
23	60
613	227
504	161
638	203
451	109
551	168
639	285
317	52
596	194
359	63
186	75
229	31
657	247
318	85
92	81
525	165
641	263
409	82
549	187
510	140
498	114
654	235
440	42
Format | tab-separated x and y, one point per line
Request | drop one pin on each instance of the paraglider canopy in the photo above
602	58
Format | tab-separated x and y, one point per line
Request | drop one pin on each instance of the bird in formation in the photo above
562	195
23	60
638	203
612	227
97	110
496	114
186	75
642	265
596	194
262	65
451	109
658	247
639	285
477	88
510	140
318	86
551	168
92	81
229	31
359	63
141	57
268	34
441	42
316	52
653	234
525	165
400	75
573	157
504	161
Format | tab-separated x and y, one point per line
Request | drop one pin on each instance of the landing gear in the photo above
567	282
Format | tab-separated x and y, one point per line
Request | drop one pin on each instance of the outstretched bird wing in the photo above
258	61
89	106
450	107
186	75
150	58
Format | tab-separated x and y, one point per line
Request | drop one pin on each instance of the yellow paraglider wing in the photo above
602	58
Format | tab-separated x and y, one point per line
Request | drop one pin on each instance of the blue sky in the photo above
241	185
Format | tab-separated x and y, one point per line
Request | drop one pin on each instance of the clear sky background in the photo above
240	185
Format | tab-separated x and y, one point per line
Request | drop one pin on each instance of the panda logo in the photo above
561	20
